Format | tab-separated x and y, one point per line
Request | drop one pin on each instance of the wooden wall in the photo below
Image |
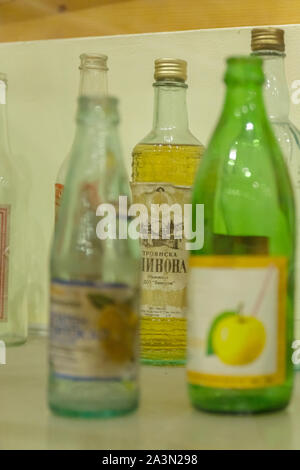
48	19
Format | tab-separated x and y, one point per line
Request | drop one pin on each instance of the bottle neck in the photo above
90	120
170	109
276	93
4	139
244	102
97	124
93	82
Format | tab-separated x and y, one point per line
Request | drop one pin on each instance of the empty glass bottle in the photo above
94	282
241	284
93	82
13	234
268	43
37	282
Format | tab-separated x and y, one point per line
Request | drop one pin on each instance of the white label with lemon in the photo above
93	330
237	321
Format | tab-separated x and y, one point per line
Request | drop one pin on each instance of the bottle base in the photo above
241	412
11	341
92	399
95	414
38	330
241	402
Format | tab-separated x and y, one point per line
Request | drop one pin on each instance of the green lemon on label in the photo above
218	318
238	340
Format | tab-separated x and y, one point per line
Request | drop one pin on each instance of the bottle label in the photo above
93	331
58	194
164	261
237	321
4	259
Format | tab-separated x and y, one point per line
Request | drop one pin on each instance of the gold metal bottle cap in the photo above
170	68
93	61
267	39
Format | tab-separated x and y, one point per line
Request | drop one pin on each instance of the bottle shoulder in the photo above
288	138
236	148
246	191
170	137
287	128
62	172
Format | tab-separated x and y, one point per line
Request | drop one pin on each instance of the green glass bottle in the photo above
93	349
241	284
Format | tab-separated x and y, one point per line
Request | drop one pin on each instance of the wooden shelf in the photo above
24	20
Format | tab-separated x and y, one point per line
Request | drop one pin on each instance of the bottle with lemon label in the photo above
241	283
93	350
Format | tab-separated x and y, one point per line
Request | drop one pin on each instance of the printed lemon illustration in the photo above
238	339
119	323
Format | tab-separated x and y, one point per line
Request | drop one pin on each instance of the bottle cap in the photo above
93	61
170	68
267	39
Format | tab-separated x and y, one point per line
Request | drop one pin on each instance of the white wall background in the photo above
43	80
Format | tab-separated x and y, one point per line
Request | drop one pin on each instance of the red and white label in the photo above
4	259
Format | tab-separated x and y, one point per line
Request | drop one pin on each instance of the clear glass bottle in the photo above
13	234
163	169
241	283
94	283
93	82
268	43
38	297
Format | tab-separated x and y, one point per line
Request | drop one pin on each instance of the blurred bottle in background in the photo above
268	43
164	164
14	224
93	82
94	281
37	283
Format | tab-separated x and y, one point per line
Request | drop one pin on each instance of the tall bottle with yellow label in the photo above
241	284
163	170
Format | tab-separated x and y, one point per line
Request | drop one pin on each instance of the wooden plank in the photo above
23	10
140	16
